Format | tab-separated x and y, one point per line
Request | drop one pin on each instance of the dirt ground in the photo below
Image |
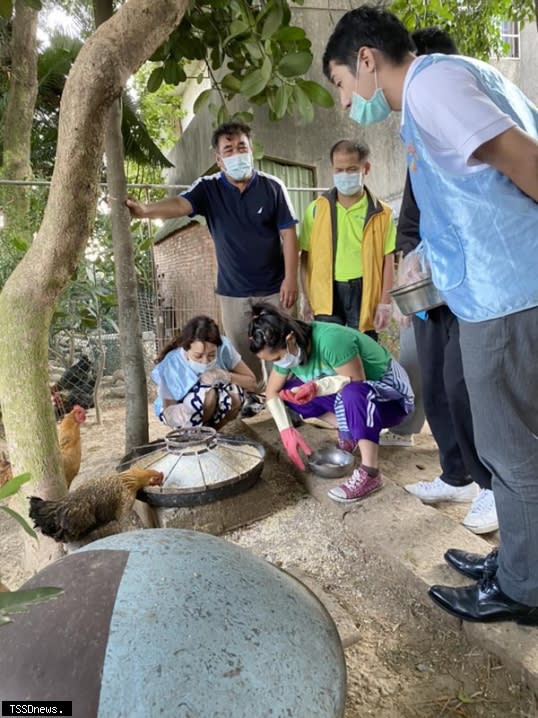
405	663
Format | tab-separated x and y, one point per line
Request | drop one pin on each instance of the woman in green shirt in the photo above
321	368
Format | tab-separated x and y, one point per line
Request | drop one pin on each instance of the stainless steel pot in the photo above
417	297
331	462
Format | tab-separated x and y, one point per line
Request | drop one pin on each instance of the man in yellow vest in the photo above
347	243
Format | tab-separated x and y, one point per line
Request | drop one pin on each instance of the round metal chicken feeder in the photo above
199	466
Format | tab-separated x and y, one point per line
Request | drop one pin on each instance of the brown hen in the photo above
101	503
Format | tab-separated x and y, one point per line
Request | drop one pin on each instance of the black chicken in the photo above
75	386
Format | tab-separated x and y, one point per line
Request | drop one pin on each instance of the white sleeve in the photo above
452	111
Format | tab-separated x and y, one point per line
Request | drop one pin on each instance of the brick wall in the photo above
186	275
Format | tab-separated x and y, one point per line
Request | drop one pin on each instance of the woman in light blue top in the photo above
201	378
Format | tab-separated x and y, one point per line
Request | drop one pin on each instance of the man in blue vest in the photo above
253	226
471	142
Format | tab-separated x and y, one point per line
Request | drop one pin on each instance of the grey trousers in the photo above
501	371
235	321
409	360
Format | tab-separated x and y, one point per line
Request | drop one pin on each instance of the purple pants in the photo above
364	413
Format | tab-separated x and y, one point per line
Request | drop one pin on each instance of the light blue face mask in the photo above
200	368
348	183
289	360
239	166
368	112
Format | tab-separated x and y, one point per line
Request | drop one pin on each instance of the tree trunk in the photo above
27	301
19	115
132	348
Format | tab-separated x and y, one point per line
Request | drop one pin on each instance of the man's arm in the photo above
165	209
308	314
514	153
388	278
290	250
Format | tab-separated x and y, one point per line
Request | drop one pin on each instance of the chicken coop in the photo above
185	276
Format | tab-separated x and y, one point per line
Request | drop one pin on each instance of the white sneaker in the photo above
430	492
389	438
482	516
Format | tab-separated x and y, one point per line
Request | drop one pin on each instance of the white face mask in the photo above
348	183
289	360
238	166
200	368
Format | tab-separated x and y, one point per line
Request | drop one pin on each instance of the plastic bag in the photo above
414	267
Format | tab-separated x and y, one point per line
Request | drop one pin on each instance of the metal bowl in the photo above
331	462
417	297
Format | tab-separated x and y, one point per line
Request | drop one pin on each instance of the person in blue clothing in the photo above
201	378
471	138
253	226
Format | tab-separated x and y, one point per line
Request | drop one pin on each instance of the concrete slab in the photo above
413	538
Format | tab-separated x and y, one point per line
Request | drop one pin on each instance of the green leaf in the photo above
266	68
304	106
231	83
20	244
254	50
295	63
146	244
155	80
244	116
17	601
200	101
6	8
253	83
34	4
273	21
13	485
281	102
172	72
317	94
289	34
20	520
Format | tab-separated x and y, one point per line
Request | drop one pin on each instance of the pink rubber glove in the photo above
306	392
300	394
286	395
293	441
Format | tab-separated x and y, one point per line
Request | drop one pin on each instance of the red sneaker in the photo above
359	485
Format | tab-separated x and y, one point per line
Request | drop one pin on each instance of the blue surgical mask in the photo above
239	166
348	183
289	360
200	368
368	112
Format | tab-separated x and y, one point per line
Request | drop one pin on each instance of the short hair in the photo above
351	148
198	329
433	39
270	326
229	129
371	27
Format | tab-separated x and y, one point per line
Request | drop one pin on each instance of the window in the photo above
510	35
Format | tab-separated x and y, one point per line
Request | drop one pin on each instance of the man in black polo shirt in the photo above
252	223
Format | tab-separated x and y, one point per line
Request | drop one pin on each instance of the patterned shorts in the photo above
189	411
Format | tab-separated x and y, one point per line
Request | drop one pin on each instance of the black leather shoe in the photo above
483	602
472	565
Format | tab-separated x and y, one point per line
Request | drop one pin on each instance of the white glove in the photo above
383	313
328	385
215	376
278	411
